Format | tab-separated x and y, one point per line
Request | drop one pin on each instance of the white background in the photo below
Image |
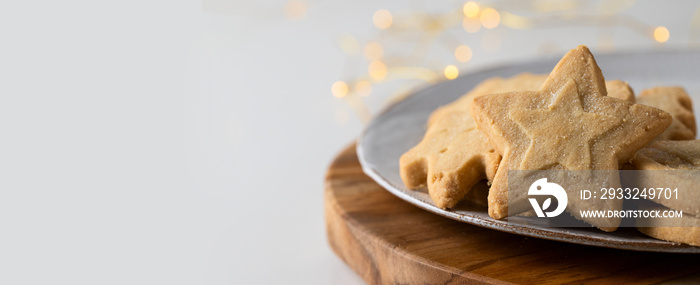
157	142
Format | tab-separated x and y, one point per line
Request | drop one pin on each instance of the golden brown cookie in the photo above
675	101
441	154
569	124
452	157
662	159
683	230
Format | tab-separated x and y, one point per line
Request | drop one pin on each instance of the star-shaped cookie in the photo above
453	156
569	124
456	155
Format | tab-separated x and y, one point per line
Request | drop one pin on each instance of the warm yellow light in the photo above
451	72
490	18
661	34
363	88
470	9
382	19
377	70
463	53
339	89
295	10
373	51
471	25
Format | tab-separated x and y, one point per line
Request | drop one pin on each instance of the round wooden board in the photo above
389	241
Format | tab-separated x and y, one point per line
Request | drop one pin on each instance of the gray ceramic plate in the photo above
402	125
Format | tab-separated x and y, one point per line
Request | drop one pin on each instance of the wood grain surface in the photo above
389	241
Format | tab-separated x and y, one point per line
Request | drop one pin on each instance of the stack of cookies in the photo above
571	119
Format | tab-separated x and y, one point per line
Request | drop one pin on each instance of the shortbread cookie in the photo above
683	230
441	154
454	155
675	101
568	124
662	158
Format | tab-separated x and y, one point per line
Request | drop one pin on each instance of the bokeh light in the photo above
490	18
470	9
463	53
382	19
451	72
661	34
339	89
377	70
